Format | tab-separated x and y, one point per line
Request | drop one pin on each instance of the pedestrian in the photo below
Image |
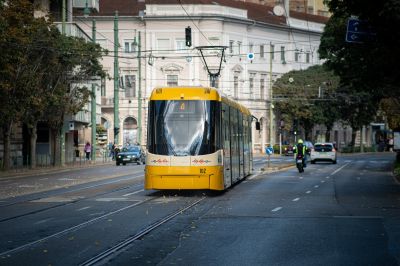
113	151
88	149
110	149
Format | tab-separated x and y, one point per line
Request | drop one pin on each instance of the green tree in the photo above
15	20
43	73
367	70
307	97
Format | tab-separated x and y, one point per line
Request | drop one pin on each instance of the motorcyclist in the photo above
301	149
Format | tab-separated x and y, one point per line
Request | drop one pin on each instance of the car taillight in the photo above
333	149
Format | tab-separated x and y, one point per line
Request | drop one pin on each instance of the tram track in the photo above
44	194
70	202
75	227
101	257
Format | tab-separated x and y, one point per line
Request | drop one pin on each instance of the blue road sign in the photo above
269	150
358	31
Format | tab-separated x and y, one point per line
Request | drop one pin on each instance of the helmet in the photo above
300	141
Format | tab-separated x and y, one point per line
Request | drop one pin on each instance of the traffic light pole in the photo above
93	102
271	113
116	81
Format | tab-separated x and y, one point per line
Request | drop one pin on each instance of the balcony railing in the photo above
71	29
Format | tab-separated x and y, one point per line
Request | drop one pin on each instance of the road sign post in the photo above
269	151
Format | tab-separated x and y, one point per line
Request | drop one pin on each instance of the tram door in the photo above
227	145
234	145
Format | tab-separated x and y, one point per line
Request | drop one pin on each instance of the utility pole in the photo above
271	106
62	130
139	90
116	81
63	15
93	107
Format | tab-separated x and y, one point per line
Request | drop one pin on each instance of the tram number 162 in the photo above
202	170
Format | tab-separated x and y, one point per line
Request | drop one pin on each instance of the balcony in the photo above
92	4
71	29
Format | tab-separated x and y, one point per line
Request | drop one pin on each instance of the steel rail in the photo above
107	253
73	228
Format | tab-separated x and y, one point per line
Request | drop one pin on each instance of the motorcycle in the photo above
299	163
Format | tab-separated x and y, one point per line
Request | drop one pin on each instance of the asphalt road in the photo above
343	214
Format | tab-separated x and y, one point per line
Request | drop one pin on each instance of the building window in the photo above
251	85
236	87
163	45
129	46
103	86
283	54
262	87
239	48
172	80
231	47
307	57
261	51
296	56
272	51
130	86
251	48
180	45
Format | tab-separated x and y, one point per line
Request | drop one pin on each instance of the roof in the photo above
256	12
194	93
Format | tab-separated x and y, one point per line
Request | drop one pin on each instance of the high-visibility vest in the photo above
302	147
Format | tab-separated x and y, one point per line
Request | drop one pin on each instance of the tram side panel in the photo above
225	127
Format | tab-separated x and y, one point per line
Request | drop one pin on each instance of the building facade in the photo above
279	44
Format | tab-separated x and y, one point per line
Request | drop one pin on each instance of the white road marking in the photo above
337	170
300	177
43	221
112	199
66	179
296	199
276	209
308	192
327	177
84	208
322	181
316	186
126	195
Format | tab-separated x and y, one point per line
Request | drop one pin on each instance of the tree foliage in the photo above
367	70
304	98
42	71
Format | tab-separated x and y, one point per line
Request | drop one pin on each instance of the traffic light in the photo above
188	36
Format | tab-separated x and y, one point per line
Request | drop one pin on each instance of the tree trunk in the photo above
7	145
33	139
353	139
56	147
328	134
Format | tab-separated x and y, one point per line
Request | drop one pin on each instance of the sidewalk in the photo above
39	170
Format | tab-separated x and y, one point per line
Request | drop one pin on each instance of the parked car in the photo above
323	152
131	154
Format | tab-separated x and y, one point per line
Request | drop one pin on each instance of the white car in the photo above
323	152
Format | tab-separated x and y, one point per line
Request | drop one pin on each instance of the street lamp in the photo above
86	11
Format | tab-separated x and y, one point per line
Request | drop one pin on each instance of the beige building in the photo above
280	42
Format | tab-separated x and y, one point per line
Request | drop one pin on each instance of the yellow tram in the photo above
197	138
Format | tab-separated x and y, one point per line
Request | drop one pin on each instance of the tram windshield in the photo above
183	127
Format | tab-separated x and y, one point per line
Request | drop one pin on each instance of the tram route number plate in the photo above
202	170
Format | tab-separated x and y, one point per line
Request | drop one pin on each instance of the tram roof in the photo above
195	93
